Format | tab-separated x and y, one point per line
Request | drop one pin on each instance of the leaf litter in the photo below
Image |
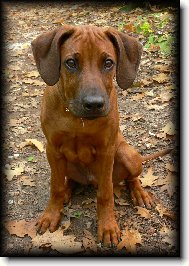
65	244
129	240
143	106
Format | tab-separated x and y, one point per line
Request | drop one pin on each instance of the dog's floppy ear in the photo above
46	51
129	52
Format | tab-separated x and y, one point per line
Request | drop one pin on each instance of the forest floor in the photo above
148	118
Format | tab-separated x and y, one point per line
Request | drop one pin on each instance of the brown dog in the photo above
80	119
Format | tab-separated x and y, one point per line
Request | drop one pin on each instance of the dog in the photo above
80	120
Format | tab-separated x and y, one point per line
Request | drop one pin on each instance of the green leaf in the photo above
30	158
144	27
162	39
151	39
77	214
165	48
120	26
138	29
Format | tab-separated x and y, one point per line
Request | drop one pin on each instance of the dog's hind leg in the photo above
128	166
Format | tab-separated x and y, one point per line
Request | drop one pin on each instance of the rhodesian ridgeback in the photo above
80	119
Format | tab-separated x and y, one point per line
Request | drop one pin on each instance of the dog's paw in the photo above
142	198
108	233
139	196
48	220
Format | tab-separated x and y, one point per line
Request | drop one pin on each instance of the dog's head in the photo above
85	60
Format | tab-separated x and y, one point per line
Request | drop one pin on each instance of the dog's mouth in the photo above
93	117
89	116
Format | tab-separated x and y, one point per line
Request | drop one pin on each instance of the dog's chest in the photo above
78	151
80	146
75	148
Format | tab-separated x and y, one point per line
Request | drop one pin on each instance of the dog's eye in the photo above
108	64
71	64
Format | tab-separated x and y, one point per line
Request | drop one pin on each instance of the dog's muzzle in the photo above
90	106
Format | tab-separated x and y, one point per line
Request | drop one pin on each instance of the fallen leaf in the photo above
170	87
89	241
170	188
154	48
169	236
134	117
150	106
117	190
20	130
99	21
162	68
9	173
33	81
26	45
121	202
124	93
165	96
171	167
160	209
168	184
88	201
13	122
169	129
21	228
14	67
65	224
28	81
56	240
161	135
32	74
170	214
122	127
146	82
164	230
27	181
129	240
161	78
149	93
129	27
30	142
148	179
59	21
32	94
137	97
136	84
143	212
165	212
125	116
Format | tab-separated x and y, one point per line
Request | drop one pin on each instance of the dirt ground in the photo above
148	118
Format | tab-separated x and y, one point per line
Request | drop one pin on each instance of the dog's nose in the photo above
93	103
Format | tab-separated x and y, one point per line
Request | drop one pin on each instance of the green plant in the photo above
30	158
77	214
164	42
144	28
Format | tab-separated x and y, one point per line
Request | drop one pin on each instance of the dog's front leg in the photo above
108	230
58	191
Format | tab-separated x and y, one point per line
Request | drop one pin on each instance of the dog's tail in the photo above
161	153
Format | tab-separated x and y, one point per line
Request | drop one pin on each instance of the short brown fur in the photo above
84	143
